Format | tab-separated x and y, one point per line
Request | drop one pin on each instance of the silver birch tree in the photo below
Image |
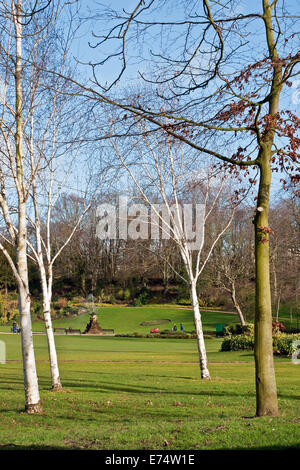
15	173
167	170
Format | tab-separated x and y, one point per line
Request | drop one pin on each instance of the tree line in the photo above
109	268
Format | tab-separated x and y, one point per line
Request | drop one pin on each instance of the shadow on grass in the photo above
289	397
146	389
15	447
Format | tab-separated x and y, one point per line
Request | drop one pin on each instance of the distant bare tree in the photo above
232	261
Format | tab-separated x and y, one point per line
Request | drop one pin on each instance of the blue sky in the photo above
109	72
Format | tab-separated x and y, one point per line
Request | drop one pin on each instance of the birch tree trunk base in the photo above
204	372
57	387
207	377
54	370
34	409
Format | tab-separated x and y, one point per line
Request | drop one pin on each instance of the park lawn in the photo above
129	319
130	393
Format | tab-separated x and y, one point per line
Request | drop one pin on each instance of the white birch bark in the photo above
55	377
32	397
47	295
199	331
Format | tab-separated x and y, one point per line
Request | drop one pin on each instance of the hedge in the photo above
237	329
283	344
237	343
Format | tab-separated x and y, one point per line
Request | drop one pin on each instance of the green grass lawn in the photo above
128	393
128	319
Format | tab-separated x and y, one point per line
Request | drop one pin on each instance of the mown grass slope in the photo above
129	319
127	393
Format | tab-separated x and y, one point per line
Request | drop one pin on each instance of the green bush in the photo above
283	344
142	299
2	312
120	294
144	295
183	292
173	335
112	299
70	295
184	301
127	294
103	296
210	302
13	316
237	329
137	302
78	299
37	308
237	343
130	335
68	310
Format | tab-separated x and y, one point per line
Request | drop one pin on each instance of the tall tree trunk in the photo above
266	392
199	331
32	397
